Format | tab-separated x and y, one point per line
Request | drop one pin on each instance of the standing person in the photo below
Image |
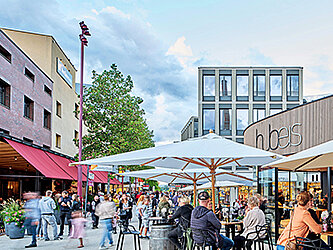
183	213
78	223
254	217
32	215
106	211
144	212
281	201
125	210
94	217
76	204
164	206
47	207
65	212
206	227
154	203
138	206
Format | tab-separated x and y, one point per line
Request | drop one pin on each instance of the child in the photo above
78	223
144	212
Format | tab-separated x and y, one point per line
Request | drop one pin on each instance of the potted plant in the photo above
13	216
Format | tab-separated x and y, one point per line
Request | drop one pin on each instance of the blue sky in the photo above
161	43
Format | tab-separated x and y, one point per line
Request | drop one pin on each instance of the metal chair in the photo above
130	231
262	236
203	245
302	243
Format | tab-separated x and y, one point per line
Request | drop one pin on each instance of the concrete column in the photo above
200	102
233	111
217	98
300	86
284	89
267	83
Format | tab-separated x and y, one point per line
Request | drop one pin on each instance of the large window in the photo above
276	87
28	108
258	114
5	54
209	85
242	87
242	120
259	88
225	87
47	119
292	87
208	120
4	93
225	121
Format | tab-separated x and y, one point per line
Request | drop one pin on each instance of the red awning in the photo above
63	163
41	161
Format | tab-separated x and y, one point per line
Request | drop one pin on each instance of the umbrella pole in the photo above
194	189
213	188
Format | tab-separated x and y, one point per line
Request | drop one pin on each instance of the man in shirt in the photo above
65	211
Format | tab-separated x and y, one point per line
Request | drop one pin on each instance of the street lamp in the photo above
84	42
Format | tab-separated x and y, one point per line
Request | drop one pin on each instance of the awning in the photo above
41	161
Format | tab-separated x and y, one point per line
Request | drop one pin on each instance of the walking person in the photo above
65	212
32	215
144	212
47	207
125	210
106	211
76	204
78	223
94	217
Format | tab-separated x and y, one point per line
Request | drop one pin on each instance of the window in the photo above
225	85
28	108
242	87
208	120
4	131
242	120
76	110
47	119
259	89
28	140
47	90
58	141
58	109
5	54
292	87
209	85
274	111
4	93
29	74
76	135
225	121
258	114
276	88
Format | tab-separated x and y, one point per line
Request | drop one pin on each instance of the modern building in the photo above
48	55
290	132
190	130
231	98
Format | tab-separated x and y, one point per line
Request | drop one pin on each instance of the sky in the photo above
161	44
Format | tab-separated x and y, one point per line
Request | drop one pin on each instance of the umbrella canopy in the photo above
226	183
317	158
210	151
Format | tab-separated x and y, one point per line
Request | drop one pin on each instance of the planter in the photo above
6	229
14	232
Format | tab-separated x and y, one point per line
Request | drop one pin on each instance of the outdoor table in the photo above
231	226
158	220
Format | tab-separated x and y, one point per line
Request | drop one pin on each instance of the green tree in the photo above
113	116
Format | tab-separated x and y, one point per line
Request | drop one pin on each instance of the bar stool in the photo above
130	231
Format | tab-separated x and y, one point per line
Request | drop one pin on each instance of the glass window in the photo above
208	119
209	85
276	85
47	119
258	114
242	119
4	93
58	108
225	121
28	108
259	85
242	85
292	85
274	111
225	85
58	141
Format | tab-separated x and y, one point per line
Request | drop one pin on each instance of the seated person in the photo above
206	227
183	213
253	217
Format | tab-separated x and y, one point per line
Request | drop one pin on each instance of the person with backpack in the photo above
183	214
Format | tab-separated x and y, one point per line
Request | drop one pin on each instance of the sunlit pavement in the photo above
91	241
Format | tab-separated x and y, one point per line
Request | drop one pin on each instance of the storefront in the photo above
286	133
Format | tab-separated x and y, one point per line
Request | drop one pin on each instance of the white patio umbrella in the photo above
208	185
317	158
195	176
210	151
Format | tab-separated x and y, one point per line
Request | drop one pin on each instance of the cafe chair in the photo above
262	236
130	230
304	243
204	245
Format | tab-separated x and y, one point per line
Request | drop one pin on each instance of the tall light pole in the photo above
84	42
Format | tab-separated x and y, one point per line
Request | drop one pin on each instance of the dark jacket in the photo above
205	226
94	205
129	211
66	208
76	206
183	213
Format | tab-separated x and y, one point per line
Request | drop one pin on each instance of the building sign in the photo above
91	176
64	72
288	136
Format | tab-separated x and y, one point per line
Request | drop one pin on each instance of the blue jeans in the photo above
279	247
227	243
107	232
33	228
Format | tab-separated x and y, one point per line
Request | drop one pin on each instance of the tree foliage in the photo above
113	116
